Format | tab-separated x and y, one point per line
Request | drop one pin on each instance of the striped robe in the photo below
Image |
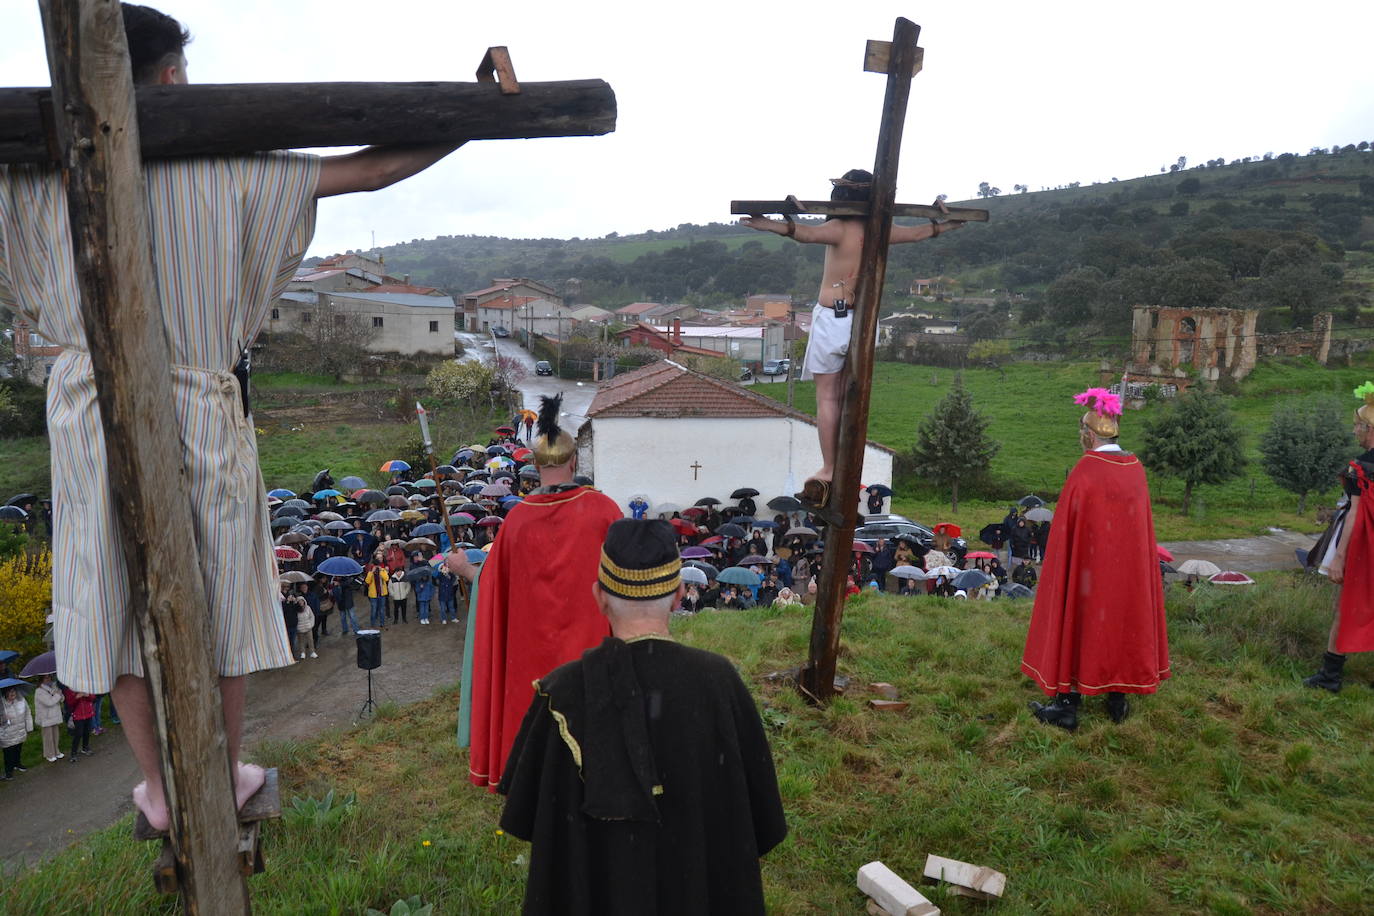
227	235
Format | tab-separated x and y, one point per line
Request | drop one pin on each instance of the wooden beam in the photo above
228	118
496	67
97	136
818	677
793	207
878	53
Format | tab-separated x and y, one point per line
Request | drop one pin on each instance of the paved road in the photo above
577	396
1275	550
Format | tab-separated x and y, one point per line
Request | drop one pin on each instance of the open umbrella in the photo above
280	493
1039	514
497	450
682	526
12	514
909	572
971	578
744	493
8	655
426	483
461	518
294	576
427	529
285	521
529	472
881	489
326	494
693	575
490	521
1166	569
370	496
1017	590
285	511
713	539
744	521
295	537
286	553
1231	577
522	454
861	547
980	555
384	515
462	455
339	566
948	572
948	528
15	682
298	503
1164	554
397	489
694	512
328	517
394	466
494	489
711	571
738	575
784	504
506	430
397	502
1198	568
731	531
755	560
421	544
21	499
329	539
707	501
1030	502
801	532
994	535
340	525
695	553
40	665
352	483
412	515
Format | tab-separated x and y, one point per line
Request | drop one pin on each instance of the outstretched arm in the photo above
376	167
827	233
903	234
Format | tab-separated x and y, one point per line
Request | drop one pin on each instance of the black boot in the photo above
1329	677
1062	712
1117	707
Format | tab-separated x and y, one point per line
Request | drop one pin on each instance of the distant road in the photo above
577	396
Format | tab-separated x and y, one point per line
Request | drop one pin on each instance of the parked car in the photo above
890	526
500	331
543	368
777	367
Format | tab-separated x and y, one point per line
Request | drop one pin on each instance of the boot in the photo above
1062	712
1329	677
1117	707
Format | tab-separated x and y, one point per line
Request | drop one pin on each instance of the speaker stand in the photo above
370	706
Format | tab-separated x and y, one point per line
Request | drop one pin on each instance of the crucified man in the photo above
828	342
227	234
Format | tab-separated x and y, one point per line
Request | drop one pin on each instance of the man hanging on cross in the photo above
828	341
227	235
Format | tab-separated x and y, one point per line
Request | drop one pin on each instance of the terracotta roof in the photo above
404	288
667	390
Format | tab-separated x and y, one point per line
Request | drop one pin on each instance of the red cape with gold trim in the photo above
1098	624
535	611
1356	630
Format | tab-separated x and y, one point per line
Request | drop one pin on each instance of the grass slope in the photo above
1235	790
1031	413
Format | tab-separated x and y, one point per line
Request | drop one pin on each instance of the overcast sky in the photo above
722	100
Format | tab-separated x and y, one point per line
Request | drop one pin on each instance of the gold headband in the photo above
639	584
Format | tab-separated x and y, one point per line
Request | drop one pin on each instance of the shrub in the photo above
25	596
454	381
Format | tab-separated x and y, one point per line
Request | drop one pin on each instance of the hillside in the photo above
1231	214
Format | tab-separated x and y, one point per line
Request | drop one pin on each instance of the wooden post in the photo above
817	678
98	139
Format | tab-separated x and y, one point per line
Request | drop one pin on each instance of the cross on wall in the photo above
695	466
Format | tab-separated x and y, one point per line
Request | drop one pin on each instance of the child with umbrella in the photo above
16	721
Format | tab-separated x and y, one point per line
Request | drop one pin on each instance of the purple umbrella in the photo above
40	664
695	553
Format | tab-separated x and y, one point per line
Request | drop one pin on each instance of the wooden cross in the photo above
90	124
900	59
695	466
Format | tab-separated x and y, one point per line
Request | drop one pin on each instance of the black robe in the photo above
669	798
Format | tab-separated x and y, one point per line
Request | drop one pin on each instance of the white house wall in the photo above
655	457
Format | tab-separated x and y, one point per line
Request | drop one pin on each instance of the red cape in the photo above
1098	624
1356	630
535	611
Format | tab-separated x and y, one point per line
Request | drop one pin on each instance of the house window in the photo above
339	320
434	327
306	317
376	321
276	314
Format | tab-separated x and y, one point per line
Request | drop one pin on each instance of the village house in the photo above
656	312
401	322
675	436
515	291
533	315
748	345
776	306
33	355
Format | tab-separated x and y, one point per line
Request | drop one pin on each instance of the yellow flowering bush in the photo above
25	596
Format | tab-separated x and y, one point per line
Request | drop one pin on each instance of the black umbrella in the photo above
322	481
730	531
743	520
994	535
12	514
1017	590
1030	502
293	511
784	504
21	499
881	489
1167	569
371	496
396	490
744	493
707	501
286	521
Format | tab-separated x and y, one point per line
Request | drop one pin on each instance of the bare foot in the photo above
153	808
248	779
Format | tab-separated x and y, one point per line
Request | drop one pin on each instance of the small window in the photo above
434	327
276	314
376	321
306	317
339	320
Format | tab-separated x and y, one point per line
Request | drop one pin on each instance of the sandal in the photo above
815	498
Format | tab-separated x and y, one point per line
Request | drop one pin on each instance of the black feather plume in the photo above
547	425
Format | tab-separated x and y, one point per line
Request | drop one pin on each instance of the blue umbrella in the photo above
325	494
14	682
511	500
738	575
426	529
7	654
461	518
472	489
281	493
328	539
353	483
476	556
971	578
765	524
339	566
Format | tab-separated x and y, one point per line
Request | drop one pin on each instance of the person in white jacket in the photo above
305	631
47	707
16	721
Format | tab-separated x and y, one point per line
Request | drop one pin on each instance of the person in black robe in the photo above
641	774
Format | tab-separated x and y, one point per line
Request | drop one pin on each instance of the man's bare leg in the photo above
135	706
829	394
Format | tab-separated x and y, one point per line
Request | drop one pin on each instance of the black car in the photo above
891	526
500	331
543	368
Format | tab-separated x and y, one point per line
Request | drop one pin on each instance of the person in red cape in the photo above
536	609
1098	623
1350	558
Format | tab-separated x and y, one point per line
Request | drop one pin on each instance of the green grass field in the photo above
1031	413
1234	790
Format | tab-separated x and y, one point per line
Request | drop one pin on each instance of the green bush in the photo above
23	411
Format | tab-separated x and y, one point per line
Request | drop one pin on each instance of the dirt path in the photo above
52	805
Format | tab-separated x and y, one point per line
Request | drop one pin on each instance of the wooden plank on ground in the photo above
984	881
893	894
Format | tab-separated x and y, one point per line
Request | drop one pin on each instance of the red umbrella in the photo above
1231	577
948	528
693	511
287	553
522	454
713	539
1164	554
490	521
683	526
861	547
984	555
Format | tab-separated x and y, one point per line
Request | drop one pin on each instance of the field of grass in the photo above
1031	413
1234	790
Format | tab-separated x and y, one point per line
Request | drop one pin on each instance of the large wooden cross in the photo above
900	59
97	128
